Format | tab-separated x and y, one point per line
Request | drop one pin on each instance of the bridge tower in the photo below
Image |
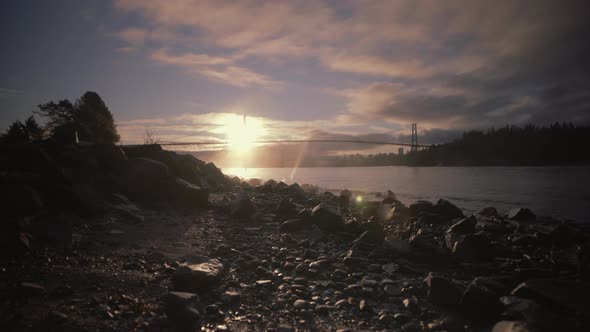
414	138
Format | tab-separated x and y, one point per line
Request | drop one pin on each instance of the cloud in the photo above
134	36
217	68
442	64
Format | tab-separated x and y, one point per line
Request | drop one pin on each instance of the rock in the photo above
300	304
294	225
510	326
369	239
295	190
140	170
392	290
390	194
401	318
560	295
497	227
480	303
525	240
254	182
109	156
489	212
269	185
420	206
442	291
181	310
398	247
466	225
390	267
326	217
447	208
285	328
198	274
411	304
425	245
242	207
230	297
520	214
473	247
186	194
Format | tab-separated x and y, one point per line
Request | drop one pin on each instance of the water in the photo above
548	191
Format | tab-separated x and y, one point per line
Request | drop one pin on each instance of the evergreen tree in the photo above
16	133
94	120
34	130
89	117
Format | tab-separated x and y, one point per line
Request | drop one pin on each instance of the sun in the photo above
241	132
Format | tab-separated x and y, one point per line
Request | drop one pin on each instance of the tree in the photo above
89	117
150	137
34	130
94	120
16	133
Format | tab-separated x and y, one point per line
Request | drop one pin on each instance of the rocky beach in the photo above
97	237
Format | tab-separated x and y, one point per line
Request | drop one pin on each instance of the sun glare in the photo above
242	132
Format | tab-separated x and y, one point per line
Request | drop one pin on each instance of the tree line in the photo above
529	145
86	119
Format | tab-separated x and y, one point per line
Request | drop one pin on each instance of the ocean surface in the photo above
562	192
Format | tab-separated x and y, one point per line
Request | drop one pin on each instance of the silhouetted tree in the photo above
89	117
94	120
34	130
150	137
16	133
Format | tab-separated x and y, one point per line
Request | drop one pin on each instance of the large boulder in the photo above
397	247
184	194
446	208
142	170
560	295
184	166
108	156
473	247
197	274
327	217
443	209
489	212
481	303
182	310
242	207
465	225
420	206
520	214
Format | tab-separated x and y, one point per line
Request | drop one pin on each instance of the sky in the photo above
301	69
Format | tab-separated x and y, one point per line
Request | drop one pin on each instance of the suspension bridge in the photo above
414	146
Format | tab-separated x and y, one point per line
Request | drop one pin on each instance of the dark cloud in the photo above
536	69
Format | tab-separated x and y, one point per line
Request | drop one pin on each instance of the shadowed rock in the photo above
473	247
326	217
480	303
466	225
181	310
242	207
489	211
520	214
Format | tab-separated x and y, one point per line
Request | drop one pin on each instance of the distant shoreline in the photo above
411	166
